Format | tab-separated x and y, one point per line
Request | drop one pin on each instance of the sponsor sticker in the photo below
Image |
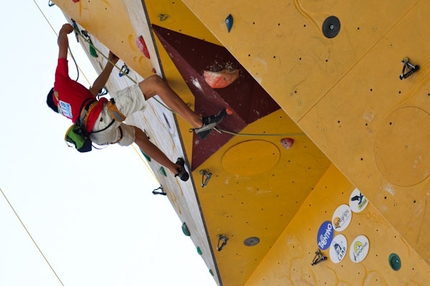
359	249
357	201
338	248
325	235
341	217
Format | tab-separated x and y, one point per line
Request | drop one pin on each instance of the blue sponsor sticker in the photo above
325	235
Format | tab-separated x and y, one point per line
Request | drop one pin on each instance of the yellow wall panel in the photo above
379	134
284	47
289	260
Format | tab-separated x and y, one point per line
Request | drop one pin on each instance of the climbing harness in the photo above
408	68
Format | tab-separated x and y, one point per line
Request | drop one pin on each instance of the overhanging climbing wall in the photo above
345	91
375	254
333	67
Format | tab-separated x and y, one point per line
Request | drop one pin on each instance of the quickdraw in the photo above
124	70
222	241
206	176
159	191
408	69
319	257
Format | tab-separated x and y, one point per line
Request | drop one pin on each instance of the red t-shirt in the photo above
69	96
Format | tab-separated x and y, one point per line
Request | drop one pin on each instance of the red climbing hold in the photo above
287	142
142	46
220	79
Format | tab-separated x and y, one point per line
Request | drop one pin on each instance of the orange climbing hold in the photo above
220	79
287	142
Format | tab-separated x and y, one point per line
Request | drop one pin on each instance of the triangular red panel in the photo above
245	97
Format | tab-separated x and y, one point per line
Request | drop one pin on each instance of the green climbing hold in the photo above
394	261
146	156
93	51
211	272
185	229
162	171
199	251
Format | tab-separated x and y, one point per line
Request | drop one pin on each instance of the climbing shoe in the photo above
182	173
209	123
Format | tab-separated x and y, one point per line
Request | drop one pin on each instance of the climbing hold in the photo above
331	27
146	156
394	261
251	241
162	171
229	22
220	79
287	142
163	17
51	3
211	272
124	70
199	251
75	1
185	229
140	42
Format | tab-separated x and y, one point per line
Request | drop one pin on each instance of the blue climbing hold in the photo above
229	22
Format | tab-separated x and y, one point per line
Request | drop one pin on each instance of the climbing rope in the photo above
31	237
219	130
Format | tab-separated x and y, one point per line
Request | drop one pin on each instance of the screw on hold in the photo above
124	70
222	241
206	176
229	22
408	69
161	192
319	257
163	17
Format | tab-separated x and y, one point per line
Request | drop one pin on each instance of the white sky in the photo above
93	215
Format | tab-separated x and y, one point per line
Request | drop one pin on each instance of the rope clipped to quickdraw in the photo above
124	70
87	37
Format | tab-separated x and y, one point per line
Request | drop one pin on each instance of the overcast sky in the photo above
93	215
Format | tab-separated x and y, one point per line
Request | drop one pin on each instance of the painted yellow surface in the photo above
260	204
353	121
109	23
289	260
